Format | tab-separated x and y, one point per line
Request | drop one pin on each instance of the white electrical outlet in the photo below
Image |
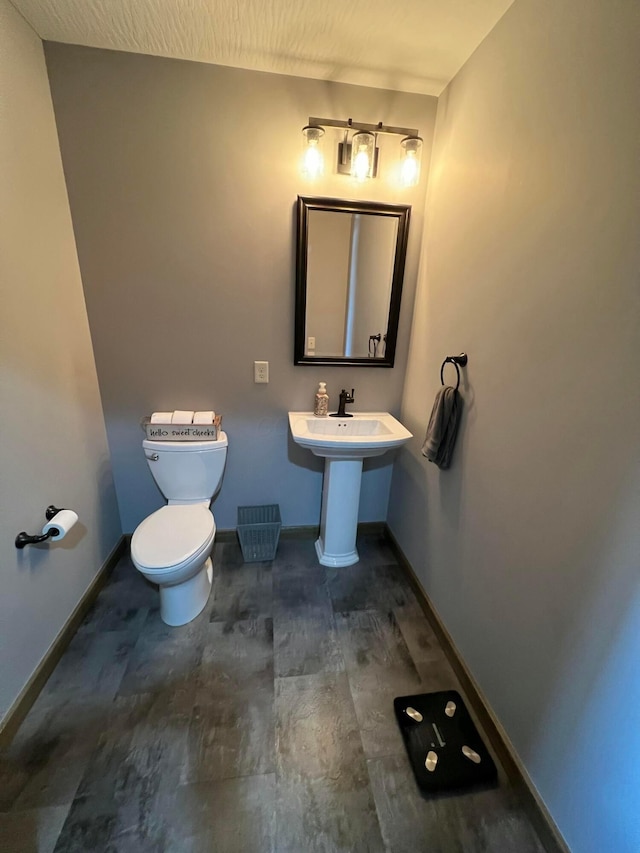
260	371
311	342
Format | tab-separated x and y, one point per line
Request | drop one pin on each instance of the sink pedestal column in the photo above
339	520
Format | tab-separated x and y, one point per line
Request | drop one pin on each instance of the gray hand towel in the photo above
443	427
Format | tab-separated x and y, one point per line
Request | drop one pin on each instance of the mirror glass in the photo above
350	268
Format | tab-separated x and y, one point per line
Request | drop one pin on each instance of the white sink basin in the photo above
364	434
344	442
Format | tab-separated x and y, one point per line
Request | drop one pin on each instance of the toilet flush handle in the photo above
154	457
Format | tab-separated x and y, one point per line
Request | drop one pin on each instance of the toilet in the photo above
172	546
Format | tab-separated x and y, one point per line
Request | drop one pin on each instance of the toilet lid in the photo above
171	535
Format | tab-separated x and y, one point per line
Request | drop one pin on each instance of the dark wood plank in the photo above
306	643
94	664
294	555
240	590
163	656
305	638
232	730
372	638
368	587
142	749
230	738
32	831
99	824
127	588
320	816
374	548
379	668
324	800
464	823
316	730
135	767
298	580
49	755
236	658
418	634
373	691
232	816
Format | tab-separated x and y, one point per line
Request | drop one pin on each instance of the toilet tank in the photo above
187	470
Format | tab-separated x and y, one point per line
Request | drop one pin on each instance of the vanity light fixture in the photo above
358	153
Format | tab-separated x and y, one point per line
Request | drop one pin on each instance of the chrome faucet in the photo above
345	397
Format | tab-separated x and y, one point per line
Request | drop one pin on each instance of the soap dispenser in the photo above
321	408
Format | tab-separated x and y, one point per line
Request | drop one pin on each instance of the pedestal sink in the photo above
344	443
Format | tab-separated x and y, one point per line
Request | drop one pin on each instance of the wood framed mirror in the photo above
350	261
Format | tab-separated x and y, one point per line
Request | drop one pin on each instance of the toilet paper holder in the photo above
23	538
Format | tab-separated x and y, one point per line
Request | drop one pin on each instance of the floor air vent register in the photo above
445	750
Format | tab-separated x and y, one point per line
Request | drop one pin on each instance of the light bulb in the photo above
362	153
361	165
313	161
410	170
410	167
312	158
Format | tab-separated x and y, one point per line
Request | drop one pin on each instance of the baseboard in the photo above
30	692
309	531
535	808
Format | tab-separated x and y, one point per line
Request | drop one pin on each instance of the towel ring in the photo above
457	372
455	360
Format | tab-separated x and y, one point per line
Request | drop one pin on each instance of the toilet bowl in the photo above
172	546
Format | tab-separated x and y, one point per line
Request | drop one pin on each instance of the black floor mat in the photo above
445	750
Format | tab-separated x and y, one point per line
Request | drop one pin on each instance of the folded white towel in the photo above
161	417
204	417
180	417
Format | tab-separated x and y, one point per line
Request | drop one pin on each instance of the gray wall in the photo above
529	545
376	255
53	447
182	181
328	259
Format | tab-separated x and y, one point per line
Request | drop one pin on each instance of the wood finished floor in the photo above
264	725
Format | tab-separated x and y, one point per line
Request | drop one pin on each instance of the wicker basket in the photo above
259	531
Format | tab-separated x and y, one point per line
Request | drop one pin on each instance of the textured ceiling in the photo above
412	46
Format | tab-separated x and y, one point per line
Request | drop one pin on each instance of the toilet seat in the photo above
172	537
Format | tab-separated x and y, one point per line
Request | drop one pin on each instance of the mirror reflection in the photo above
349	272
350	269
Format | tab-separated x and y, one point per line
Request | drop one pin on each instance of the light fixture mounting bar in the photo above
359	125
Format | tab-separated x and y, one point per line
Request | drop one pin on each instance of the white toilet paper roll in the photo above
204	417
161	417
62	521
180	417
